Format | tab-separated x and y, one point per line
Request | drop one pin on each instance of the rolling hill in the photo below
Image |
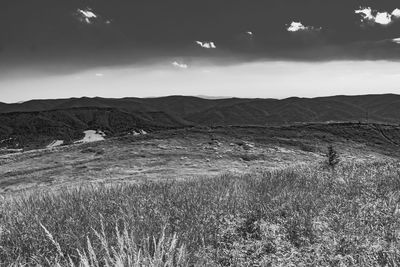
66	118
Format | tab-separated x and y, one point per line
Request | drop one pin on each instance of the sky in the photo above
237	48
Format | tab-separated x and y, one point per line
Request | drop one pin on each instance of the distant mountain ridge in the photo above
65	119
235	111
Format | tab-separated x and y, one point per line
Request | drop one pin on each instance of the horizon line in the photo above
205	97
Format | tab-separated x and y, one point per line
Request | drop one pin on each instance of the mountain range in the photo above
66	118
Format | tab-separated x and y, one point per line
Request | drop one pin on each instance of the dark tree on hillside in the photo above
332	157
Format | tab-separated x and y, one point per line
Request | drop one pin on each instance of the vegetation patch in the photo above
297	216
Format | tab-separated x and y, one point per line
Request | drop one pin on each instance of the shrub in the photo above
332	157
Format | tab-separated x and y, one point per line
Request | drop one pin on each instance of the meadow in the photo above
304	215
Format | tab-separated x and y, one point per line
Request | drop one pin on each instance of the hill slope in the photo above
39	128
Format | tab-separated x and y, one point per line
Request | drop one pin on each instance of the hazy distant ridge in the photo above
234	111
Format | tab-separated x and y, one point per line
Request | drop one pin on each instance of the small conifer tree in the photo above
332	157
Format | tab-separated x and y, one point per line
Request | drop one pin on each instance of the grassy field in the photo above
179	154
305	215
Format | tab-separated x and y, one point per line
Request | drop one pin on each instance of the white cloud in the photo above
180	65
208	45
396	13
382	18
86	15
89	16
396	40
365	12
298	26
250	33
99	74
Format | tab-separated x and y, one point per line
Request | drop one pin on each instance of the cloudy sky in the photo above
258	48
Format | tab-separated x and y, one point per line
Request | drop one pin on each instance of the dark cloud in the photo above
289	29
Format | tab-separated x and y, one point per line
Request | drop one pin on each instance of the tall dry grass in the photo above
296	216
